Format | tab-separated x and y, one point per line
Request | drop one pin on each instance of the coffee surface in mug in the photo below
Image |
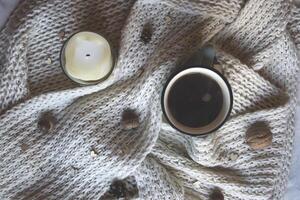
195	100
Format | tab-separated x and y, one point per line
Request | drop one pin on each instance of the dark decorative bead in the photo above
46	121
130	120
121	189
216	194
147	32
118	189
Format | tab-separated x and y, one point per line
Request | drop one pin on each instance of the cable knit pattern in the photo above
85	149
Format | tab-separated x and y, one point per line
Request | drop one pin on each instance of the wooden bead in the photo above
259	136
46	122
121	189
130	120
216	194
147	32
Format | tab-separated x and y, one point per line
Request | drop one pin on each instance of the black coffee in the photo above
195	100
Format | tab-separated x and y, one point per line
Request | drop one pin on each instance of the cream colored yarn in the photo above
84	148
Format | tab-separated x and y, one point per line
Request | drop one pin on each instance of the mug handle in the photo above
204	57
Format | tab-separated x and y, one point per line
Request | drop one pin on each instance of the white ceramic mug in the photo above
225	108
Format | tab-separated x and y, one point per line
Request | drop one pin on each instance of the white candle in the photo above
87	57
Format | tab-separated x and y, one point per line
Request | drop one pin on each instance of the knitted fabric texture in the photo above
59	140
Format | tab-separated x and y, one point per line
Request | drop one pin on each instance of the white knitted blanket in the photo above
59	140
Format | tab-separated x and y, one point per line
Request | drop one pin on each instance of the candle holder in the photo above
87	58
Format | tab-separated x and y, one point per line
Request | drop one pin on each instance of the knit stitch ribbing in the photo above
58	164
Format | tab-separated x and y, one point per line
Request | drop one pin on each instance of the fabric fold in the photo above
87	149
155	182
